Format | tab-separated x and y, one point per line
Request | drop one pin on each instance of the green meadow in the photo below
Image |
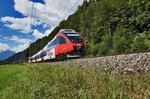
9	75
43	81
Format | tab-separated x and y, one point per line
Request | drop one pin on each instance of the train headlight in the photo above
78	48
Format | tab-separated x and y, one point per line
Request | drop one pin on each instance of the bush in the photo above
141	42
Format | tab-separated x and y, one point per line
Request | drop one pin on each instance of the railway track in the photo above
92	57
133	62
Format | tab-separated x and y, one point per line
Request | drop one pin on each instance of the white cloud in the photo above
46	14
20	40
47	32
59	6
37	34
21	47
22	24
45	25
26	42
3	47
3	38
6	38
23	6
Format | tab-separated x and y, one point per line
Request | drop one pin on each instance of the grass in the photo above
46	82
9	75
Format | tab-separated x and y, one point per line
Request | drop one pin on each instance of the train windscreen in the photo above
74	37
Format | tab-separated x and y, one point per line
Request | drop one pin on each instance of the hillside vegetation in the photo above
108	27
43	81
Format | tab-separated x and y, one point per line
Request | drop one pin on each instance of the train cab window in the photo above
74	37
62	40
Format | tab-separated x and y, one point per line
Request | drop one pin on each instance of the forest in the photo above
107	26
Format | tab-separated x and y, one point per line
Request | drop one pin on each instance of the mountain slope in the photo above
6	54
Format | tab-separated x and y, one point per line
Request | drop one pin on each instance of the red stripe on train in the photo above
35	59
42	52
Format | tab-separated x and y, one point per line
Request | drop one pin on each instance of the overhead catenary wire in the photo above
68	10
66	6
72	8
33	13
62	12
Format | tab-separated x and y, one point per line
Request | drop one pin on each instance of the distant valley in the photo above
5	54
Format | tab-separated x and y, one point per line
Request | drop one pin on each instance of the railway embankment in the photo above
132	63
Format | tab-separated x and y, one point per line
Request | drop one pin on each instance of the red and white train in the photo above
67	43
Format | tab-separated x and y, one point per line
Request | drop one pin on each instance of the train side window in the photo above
44	53
49	45
54	42
62	40
57	41
40	55
33	58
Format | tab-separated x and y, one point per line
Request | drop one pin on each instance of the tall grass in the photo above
9	75
46	82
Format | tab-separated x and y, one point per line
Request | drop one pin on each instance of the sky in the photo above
24	21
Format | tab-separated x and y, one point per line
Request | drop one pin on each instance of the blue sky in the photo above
16	16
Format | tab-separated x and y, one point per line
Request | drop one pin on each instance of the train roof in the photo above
67	31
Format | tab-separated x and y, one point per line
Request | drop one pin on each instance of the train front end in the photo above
77	42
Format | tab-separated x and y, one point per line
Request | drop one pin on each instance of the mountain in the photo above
107	26
16	58
5	54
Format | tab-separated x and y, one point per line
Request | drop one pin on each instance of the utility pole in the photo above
30	51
